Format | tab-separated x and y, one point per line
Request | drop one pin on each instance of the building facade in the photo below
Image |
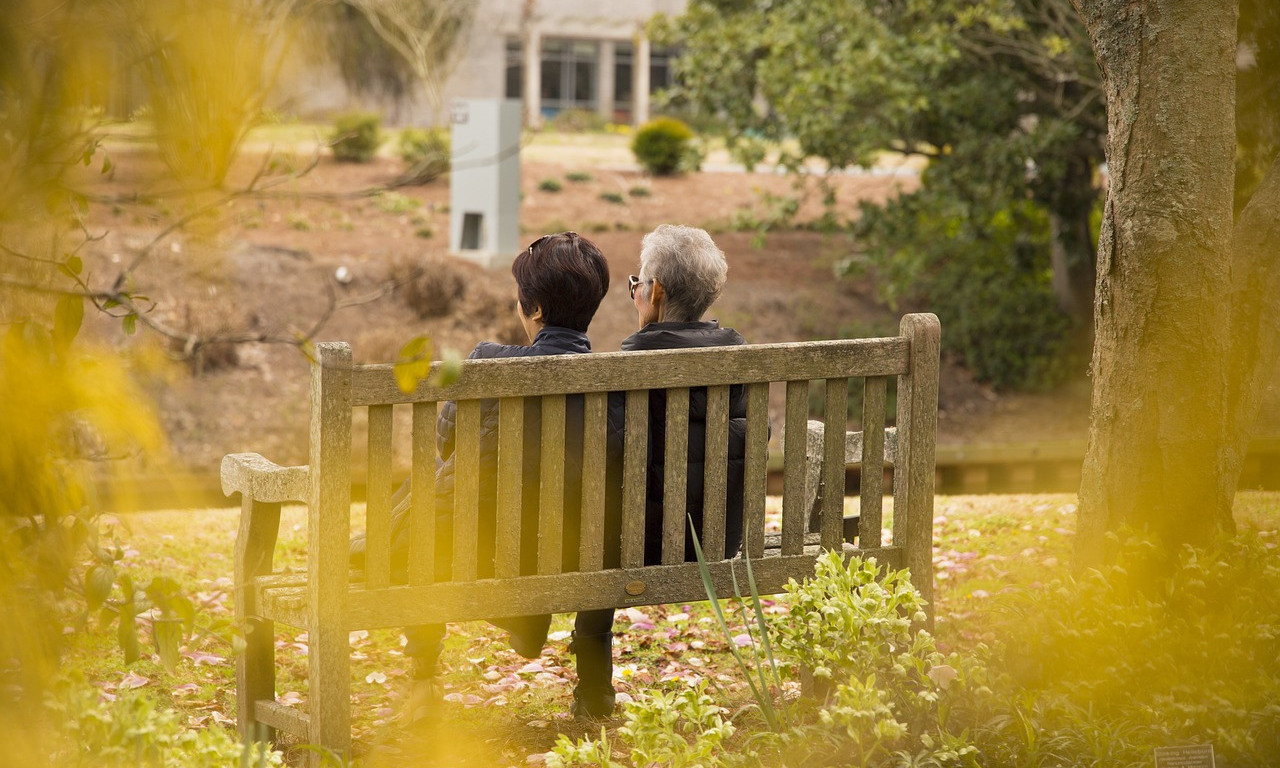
552	54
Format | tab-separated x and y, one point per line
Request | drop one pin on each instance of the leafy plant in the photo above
664	146
578	177
425	152
640	191
550	185
677	728
394	202
431	287
982	265
613	197
578	120
1158	649
132	731
356	136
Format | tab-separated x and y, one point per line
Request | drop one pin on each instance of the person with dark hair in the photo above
560	281
682	273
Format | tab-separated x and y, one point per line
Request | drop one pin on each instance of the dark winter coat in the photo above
681	335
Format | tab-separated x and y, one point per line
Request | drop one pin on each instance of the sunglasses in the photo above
537	244
634	282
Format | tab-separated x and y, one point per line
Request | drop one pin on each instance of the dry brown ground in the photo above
266	263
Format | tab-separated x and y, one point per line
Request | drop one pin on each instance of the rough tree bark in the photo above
1185	306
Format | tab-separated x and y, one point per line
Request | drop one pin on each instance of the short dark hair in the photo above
566	275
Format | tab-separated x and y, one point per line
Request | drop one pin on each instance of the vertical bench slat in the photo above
914	464
871	482
715	477
675	479
793	467
328	548
551	486
377	563
591	539
636	440
756	467
835	419
466	491
422	496
510	483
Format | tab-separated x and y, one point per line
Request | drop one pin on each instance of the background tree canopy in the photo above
1002	96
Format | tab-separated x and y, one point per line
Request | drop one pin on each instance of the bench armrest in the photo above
262	480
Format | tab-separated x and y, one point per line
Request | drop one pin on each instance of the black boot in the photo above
593	697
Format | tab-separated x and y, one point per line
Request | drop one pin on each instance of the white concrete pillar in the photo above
640	81
533	78
605	74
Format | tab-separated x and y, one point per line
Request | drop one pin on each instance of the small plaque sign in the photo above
1193	756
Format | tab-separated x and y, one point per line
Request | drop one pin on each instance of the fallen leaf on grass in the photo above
204	659
467	700
132	680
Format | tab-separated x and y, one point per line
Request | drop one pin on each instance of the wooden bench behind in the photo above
329	600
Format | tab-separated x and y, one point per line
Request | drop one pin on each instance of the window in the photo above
569	72
660	75
623	74
515	69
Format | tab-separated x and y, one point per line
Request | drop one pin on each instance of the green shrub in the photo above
431	287
550	185
134	732
640	191
578	176
578	120
1160	649
889	690
356	136
982	265
664	146
425	152
612	197
394	202
678	728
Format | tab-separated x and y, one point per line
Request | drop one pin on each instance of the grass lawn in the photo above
501	709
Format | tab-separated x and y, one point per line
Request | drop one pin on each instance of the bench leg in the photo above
255	679
256	667
329	690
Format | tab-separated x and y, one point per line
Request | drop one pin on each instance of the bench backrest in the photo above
822	373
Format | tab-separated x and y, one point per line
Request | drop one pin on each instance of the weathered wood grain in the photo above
675	477
328	532
378	499
620	371
422	517
551	486
715	479
871	454
917	439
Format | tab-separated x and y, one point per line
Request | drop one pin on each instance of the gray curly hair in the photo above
691	268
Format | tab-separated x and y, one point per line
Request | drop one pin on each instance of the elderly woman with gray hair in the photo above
682	273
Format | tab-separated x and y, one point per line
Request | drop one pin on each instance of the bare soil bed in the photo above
277	263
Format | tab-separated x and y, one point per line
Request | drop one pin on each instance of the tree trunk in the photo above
1163	452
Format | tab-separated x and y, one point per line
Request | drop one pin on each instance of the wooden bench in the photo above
329	600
